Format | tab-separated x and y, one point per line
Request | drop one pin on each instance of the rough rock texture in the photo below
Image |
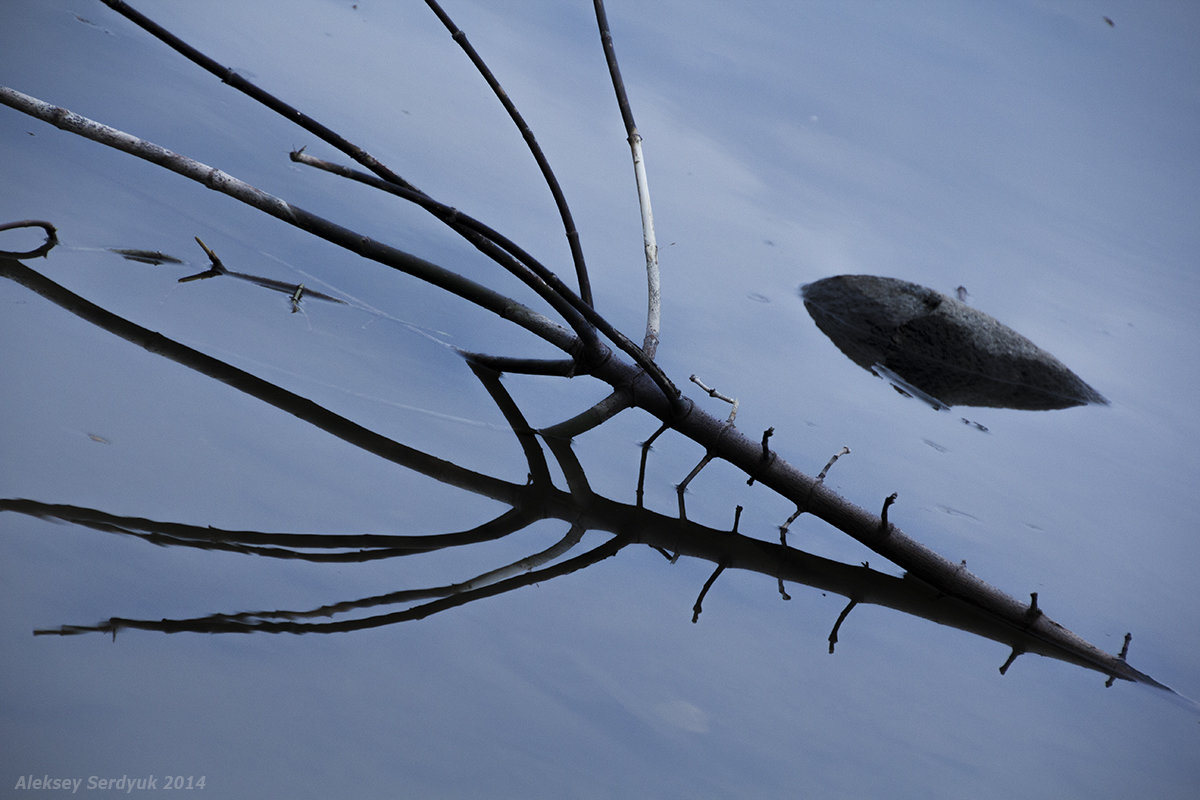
943	347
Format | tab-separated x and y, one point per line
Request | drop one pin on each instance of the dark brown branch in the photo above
1120	657
652	337
767	455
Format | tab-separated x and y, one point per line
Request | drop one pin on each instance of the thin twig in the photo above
887	502
681	489
488	241
225	183
517	261
649	241
697	608
833	634
821	475
717	395
263	622
560	200
783	529
646	446
37	252
229	76
1016	652
535	459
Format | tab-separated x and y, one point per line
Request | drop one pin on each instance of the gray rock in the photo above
951	352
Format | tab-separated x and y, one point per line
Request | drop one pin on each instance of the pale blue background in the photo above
1025	150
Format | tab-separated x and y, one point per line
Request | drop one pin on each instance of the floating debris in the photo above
939	349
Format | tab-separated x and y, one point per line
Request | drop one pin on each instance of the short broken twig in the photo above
696	609
767	456
833	634
646	447
821	475
1016	651
711	392
887	502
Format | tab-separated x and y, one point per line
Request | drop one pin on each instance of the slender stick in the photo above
326	134
490	242
294	215
499	248
229	76
560	200
548	285
649	241
45	247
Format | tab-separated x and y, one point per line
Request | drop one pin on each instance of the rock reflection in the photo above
939	349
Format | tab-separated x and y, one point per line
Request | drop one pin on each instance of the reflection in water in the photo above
152	257
577	506
939	349
294	291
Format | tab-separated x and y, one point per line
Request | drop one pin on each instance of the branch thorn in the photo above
887	501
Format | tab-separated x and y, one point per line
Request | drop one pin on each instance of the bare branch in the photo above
282	622
646	447
230	77
37	252
294	215
515	259
593	417
833	634
560	200
649	240
717	395
697	608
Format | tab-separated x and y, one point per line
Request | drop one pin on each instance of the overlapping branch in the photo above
637	382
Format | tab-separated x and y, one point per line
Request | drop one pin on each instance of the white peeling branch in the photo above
649	242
